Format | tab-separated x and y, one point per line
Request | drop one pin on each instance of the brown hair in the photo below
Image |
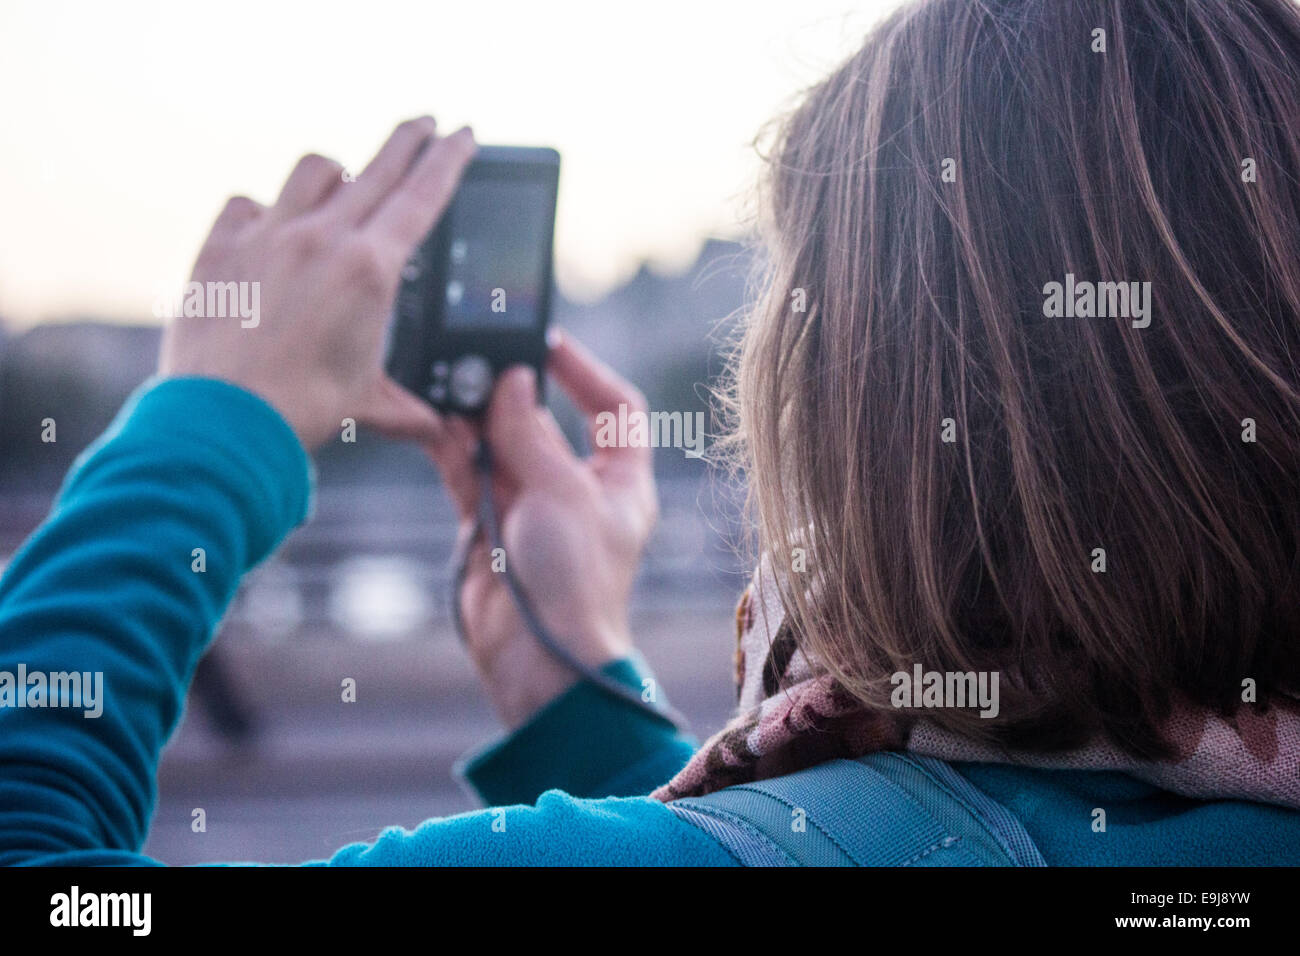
1173	157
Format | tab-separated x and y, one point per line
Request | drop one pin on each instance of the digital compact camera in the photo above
475	297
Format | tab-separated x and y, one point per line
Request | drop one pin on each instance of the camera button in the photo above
471	381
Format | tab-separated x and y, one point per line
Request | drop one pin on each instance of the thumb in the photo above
521	442
396	413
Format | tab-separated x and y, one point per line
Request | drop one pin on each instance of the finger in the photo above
521	443
385	171
411	210
598	391
552	430
238	212
453	454
396	413
311	181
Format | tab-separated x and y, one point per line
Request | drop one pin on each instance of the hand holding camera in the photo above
327	257
572	528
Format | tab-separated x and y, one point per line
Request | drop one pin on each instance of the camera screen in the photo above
498	238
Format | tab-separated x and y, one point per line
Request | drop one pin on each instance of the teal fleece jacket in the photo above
106	585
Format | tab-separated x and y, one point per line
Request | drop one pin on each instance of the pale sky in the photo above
125	125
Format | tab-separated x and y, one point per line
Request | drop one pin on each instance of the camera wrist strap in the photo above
486	523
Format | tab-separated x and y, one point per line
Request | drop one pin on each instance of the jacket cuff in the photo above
585	742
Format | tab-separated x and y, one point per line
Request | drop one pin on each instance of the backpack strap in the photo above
884	809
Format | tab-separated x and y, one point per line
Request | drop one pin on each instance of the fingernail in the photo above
524	377
554	337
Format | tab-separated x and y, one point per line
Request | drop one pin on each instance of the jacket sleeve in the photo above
124	584
194	483
584	742
559	830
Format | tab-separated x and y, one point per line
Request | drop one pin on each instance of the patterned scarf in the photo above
793	715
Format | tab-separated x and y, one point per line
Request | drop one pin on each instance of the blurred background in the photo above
127	125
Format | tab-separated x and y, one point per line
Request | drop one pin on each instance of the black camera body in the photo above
475	297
